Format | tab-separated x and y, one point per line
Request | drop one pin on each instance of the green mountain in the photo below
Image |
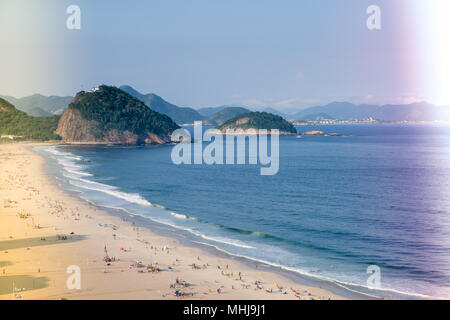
108	115
180	115
259	120
209	111
18	123
223	115
39	105
38	112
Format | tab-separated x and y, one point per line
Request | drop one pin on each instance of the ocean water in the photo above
380	196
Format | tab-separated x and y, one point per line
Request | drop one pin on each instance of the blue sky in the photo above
284	54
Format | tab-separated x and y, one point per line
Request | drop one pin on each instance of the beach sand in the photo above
43	231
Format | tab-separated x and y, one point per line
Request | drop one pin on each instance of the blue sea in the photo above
379	196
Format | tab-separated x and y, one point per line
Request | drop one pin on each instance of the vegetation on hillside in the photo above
114	109
181	115
225	114
38	105
18	123
258	120
209	111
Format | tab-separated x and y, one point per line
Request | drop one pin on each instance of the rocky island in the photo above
108	115
321	133
252	122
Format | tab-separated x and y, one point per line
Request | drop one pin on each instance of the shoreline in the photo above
39	266
298	278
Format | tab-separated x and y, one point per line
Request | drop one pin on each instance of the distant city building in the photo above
332	121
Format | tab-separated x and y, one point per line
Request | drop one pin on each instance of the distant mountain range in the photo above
45	106
420	111
275	111
181	115
219	117
38	105
209	111
185	115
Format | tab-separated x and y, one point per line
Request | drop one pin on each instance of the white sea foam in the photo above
344	284
232	242
78	172
74	157
113	191
179	216
53	150
68	163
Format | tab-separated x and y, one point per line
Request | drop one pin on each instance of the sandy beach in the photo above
43	231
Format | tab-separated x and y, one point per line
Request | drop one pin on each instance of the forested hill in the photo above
258	120
18	123
110	115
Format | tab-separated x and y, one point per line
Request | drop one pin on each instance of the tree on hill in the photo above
18	123
258	120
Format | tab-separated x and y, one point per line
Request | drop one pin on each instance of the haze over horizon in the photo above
203	54
268	108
